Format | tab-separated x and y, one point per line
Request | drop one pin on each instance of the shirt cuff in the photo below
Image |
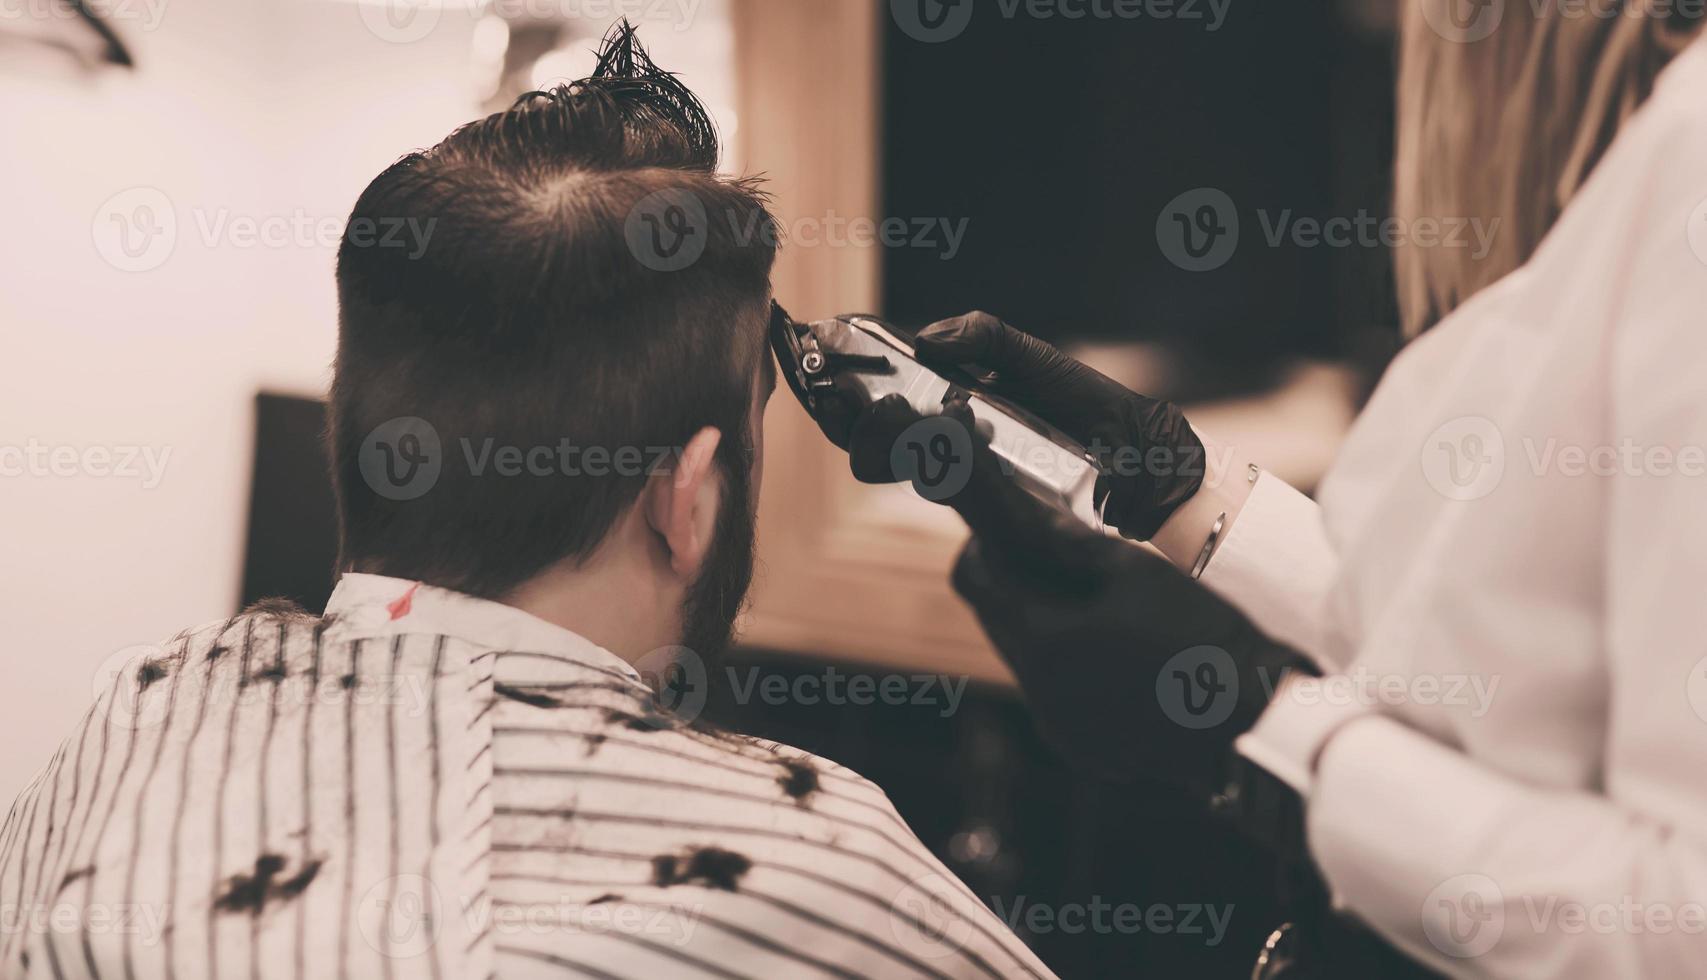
1288	738
1276	565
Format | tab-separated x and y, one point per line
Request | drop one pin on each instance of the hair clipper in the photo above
837	366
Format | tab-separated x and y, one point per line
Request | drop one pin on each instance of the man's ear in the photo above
682	505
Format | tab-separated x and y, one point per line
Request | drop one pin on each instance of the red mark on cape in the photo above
399	607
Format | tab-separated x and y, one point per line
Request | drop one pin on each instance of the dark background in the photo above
1061	140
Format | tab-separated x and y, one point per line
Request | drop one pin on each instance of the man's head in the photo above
583	335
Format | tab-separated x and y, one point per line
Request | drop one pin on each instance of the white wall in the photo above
240	112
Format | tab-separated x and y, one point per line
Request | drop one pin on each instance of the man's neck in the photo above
608	599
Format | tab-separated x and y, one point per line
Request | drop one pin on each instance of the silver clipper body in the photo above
827	363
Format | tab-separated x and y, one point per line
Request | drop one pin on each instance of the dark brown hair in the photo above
528	315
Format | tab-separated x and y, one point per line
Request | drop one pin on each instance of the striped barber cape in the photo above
420	784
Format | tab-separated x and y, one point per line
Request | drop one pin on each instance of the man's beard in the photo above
718	594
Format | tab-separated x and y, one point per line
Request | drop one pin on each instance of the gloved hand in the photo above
1151	459
1130	667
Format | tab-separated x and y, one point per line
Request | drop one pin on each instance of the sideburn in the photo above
719	593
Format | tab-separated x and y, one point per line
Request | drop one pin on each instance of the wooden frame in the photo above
846	571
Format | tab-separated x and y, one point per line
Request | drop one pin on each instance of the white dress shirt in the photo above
421	784
1506	767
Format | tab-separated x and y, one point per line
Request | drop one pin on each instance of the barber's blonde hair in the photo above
1505	127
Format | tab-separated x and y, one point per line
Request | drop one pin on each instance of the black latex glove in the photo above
1151	460
1130	667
